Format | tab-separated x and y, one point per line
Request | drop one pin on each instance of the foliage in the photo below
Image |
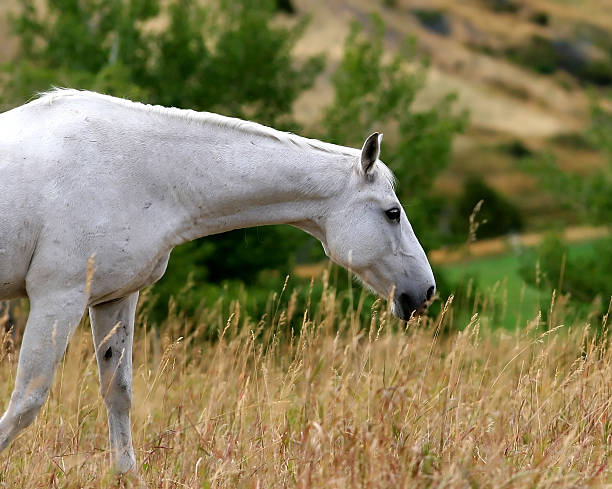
367	90
86	36
434	20
227	57
516	148
503	6
285	6
586	277
596	190
538	54
573	140
98	45
547	56
540	18
590	194
583	277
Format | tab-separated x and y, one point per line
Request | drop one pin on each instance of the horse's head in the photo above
367	231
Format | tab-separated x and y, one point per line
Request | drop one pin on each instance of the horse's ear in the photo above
370	152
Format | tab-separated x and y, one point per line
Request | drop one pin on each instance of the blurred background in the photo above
497	118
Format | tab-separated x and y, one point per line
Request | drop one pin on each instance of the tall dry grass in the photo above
339	404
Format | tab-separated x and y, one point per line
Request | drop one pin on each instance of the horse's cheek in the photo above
357	245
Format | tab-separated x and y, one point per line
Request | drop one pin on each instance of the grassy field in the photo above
337	404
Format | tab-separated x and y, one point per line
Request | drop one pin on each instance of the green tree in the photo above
591	194
373	94
226	57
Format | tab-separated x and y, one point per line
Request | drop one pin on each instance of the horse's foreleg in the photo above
51	321
113	329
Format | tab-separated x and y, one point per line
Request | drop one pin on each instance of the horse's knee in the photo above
21	412
25	407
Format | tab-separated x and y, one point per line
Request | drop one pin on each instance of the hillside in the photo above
501	97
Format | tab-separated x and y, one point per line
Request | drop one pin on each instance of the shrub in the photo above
496	217
598	72
574	140
503	6
540	18
546	56
585	276
538	54
516	148
285	6
591	195
433	20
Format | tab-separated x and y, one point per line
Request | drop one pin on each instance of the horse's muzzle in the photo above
409	305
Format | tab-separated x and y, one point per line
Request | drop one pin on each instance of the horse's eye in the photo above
393	214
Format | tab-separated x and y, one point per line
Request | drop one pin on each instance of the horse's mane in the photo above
209	118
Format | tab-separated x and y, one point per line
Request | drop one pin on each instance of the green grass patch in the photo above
508	301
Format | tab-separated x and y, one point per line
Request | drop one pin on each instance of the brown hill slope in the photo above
501	96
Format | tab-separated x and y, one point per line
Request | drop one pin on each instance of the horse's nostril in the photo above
430	292
408	305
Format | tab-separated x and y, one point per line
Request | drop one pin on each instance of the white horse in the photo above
84	174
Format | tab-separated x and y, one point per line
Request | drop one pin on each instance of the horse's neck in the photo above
240	180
